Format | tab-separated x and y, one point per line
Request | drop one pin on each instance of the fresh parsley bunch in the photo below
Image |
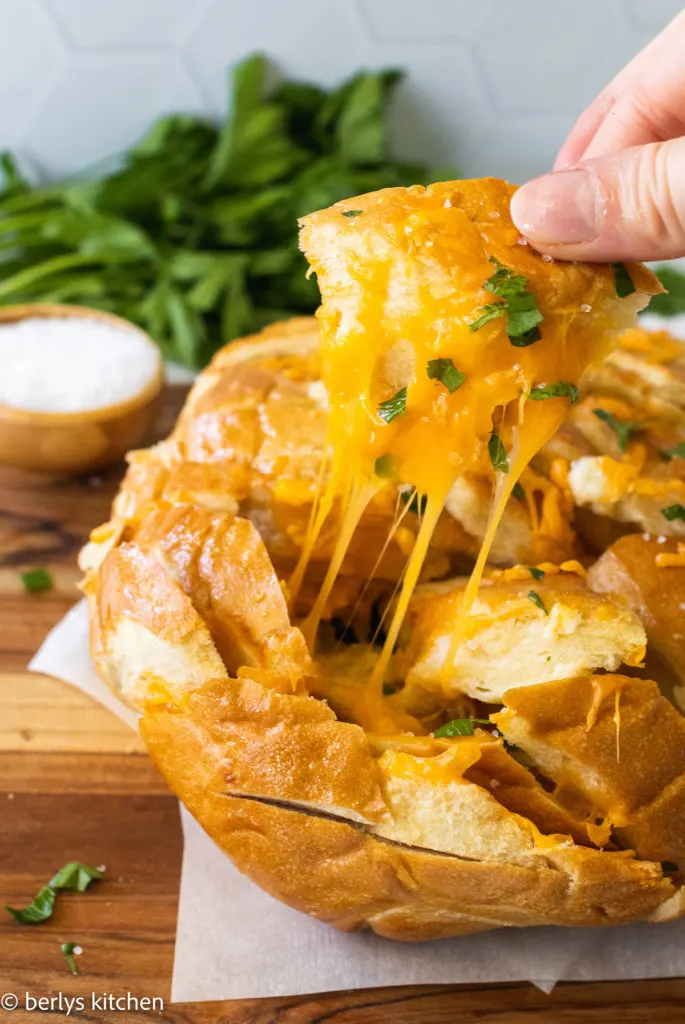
194	237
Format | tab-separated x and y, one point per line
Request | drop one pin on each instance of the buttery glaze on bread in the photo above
407	811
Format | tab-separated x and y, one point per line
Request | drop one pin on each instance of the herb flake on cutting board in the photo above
74	876
69	949
36	580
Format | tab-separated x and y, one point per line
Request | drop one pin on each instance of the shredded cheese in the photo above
671	559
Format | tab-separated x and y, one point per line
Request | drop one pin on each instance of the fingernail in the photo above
558	208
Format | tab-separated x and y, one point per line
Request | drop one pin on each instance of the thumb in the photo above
627	205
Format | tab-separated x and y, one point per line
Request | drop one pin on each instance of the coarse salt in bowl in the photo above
73	364
79	387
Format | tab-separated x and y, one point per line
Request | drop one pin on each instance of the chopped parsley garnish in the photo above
537	574
668	865
560	389
446	372
674	512
68	950
73	876
36	580
417	503
498	454
674	453
518	491
352	213
460	727
395	406
487	313
384	465
623	282
537	600
519	306
622	428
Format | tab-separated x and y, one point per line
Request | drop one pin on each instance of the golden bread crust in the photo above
629	569
301	802
475	223
194	545
575	729
341	874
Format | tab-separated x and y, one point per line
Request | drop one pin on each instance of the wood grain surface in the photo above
75	784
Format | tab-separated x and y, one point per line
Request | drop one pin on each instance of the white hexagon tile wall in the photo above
492	86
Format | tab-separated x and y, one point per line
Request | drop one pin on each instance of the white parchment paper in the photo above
233	941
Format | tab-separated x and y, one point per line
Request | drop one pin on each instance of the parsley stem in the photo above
45	269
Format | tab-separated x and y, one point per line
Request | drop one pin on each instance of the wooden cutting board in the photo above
76	785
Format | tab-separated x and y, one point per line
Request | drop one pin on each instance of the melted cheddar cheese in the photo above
448	766
522	572
402	275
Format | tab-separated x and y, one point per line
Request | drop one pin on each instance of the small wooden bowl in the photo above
77	442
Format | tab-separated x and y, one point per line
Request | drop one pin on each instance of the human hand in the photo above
617	191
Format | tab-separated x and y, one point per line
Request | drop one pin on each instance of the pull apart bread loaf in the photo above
372	735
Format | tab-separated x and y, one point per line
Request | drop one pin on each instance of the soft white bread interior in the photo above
521	631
